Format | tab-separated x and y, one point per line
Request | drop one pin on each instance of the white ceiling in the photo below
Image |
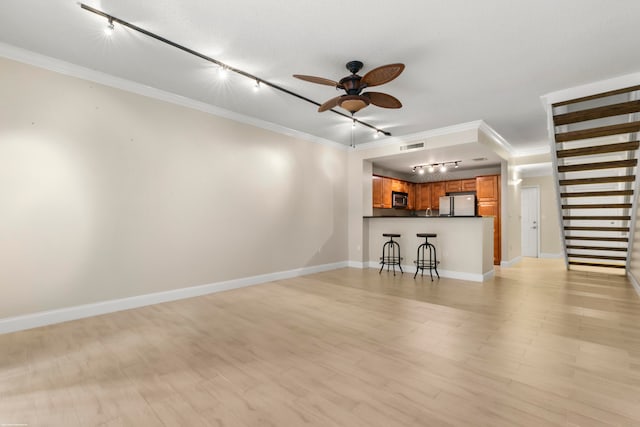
465	60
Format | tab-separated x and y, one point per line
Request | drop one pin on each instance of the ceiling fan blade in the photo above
318	80
333	102
383	100
382	75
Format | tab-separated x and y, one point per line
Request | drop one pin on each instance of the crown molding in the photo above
416	137
77	71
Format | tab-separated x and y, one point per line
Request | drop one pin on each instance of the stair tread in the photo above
598	180
591	256
596	218
599	149
598	239
598	165
598	132
597	193
594	228
597	248
597	113
599	206
597	264
596	96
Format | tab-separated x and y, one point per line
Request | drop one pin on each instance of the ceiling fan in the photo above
354	99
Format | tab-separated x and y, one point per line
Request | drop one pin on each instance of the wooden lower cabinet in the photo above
493	209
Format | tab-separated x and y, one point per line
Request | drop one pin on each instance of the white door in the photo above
530	201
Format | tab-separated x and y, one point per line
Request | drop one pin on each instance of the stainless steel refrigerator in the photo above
458	205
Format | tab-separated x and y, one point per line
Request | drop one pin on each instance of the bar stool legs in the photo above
391	254
422	262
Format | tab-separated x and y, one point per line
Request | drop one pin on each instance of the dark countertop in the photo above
420	216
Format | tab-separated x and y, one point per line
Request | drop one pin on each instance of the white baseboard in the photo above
510	262
473	277
634	282
43	318
355	264
551	255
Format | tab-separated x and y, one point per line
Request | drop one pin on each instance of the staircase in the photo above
595	153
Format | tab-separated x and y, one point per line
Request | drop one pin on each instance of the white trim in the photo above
355	264
634	282
43	318
601	86
416	137
411	269
532	151
550	255
73	70
497	138
511	262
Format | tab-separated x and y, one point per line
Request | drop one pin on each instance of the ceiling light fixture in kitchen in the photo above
431	167
223	68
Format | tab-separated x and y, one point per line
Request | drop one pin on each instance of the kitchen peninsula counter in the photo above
464	244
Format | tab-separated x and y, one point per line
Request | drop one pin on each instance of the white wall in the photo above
106	194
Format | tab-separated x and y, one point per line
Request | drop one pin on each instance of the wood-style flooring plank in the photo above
535	345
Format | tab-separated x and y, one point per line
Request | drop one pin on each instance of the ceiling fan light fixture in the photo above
353	103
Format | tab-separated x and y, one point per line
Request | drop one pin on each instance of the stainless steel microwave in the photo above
399	199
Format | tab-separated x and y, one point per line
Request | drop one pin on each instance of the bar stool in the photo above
422	262
391	253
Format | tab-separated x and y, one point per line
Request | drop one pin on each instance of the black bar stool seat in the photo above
391	253
422	261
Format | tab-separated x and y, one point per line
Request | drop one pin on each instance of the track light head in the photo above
109	28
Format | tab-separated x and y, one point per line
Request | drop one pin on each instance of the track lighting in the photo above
256	87
431	167
353	125
223	69
109	28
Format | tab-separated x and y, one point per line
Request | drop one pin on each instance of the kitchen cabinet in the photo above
488	195
377	191
397	185
453	186
487	188
411	199
493	209
423	196
468	184
386	192
437	190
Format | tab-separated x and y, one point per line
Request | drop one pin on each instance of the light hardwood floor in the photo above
535	346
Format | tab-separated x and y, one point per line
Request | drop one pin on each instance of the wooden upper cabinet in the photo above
453	186
423	196
386	192
487	188
437	190
397	185
411	199
468	184
377	191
